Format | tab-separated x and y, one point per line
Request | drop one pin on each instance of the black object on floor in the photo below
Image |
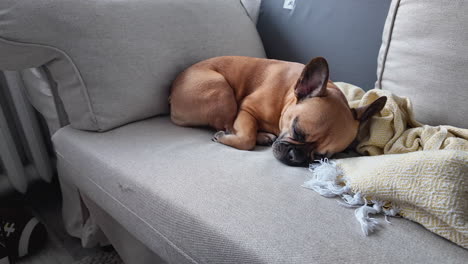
4	258
23	234
110	257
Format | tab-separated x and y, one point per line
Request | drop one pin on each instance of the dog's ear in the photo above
313	80
363	113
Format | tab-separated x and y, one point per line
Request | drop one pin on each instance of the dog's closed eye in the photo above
297	134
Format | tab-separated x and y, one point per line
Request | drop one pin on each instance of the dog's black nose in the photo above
290	154
297	156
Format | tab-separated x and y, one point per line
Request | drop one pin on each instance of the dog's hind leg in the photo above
203	98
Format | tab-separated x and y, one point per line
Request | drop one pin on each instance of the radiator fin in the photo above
23	153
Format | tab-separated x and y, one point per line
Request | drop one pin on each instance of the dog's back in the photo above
210	92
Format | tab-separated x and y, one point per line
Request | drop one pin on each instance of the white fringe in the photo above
368	224
350	200
324	180
327	182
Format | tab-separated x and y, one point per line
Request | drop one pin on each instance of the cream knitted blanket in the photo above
425	178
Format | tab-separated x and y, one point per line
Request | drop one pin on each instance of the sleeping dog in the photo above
253	101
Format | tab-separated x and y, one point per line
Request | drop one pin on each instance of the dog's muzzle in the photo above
293	154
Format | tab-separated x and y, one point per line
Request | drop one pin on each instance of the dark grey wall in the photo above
347	33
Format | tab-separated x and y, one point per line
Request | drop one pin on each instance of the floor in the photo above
43	200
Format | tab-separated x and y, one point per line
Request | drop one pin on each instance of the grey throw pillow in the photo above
114	61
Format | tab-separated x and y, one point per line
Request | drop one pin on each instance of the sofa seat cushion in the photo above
191	200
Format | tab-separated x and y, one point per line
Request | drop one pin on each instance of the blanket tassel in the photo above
326	182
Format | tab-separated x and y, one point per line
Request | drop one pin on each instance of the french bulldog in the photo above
249	101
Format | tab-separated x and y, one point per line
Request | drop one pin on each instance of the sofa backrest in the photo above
347	33
424	56
114	61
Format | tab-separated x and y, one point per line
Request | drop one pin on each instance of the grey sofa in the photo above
163	193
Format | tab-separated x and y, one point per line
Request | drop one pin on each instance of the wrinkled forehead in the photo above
311	125
319	110
305	126
319	113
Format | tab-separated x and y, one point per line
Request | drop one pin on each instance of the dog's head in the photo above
320	123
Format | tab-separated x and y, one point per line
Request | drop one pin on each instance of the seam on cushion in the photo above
131	211
84	87
59	108
247	13
254	24
389	40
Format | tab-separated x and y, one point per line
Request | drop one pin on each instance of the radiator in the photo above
23	154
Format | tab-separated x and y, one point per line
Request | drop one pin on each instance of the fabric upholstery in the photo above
130	249
114	61
191	200
253	8
76	218
347	33
424	57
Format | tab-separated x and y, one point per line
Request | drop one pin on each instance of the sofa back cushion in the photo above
347	33
424	55
114	61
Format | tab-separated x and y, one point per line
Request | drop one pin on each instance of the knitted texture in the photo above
428	185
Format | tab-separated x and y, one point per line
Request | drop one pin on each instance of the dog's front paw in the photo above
265	139
218	135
